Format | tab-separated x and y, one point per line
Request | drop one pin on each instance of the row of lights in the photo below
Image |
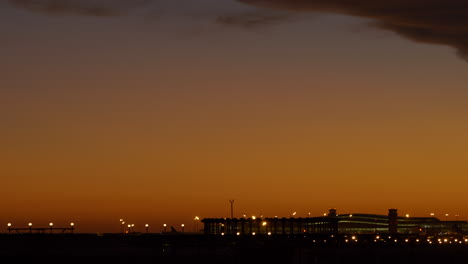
164	225
30	224
50	224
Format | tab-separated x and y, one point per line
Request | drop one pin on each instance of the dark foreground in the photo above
184	248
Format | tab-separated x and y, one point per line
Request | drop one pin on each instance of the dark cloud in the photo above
252	19
79	7
442	22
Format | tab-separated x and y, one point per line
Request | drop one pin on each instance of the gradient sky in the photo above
156	111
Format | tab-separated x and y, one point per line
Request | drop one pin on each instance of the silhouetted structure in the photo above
392	221
334	224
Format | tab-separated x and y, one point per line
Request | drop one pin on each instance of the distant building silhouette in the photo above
333	223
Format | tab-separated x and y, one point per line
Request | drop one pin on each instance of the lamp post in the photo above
30	227
51	226
72	227
182	225
146	226
232	208
165	227
9	227
196	219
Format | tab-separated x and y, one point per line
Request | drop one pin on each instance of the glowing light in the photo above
407	215
253	233
146	225
72	224
9	224
254	217
51	224
238	233
30	224
264	223
269	233
196	218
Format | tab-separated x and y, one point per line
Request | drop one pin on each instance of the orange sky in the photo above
159	120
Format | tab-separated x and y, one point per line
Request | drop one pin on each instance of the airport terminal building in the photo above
334	223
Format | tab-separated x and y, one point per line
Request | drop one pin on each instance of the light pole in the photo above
51	226
196	219
30	227
9	227
182	225
232	208
165	226
122	227
146	226
72	227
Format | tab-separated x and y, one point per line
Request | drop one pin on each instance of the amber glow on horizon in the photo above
159	125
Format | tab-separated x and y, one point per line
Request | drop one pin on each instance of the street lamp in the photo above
72	226
164	228
9	227
30	227
196	219
146	226
51	226
122	227
182	225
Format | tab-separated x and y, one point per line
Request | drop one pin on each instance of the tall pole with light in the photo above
196	219
232	208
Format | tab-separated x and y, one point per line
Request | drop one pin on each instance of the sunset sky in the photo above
156	111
